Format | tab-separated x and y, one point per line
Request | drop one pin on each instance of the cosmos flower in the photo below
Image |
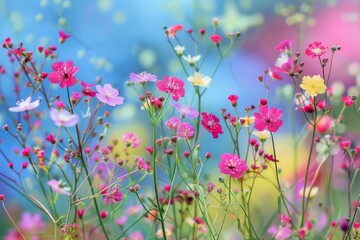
268	119
25	105
62	118
109	95
199	79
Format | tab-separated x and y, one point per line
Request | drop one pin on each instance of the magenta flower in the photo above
284	46
315	49
268	119
186	131
211	124
186	110
63	73
86	89
131	140
142	77
25	105
114	196
172	123
62	118
348	100
109	95
232	165
59	187
281	233
172	85
171	31
30	225
63	36
215	38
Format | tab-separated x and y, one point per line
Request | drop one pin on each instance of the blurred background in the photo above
110	39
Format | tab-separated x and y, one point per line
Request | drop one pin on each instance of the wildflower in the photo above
186	110
215	38
121	220
186	130
131	140
172	85
199	80
59	187
62	118
114	196
268	119
63	73
348	100
171	31
142	77
283	64
63	36
344	145
285	46
246	121
25	105
232	165
313	85
314	191
262	135
325	124
172	123
109	95
233	99
192	60
137	236
104	214
179	50
281	233
86	89
211	123
315	49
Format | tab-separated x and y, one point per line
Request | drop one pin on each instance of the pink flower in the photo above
114	196
282	233
30	225
268	119
344	145
86	89
211	124
348	101
142	77
315	49
63	73
215	38
171	31
109	95
233	100
172	85
63	36
121	220
136	236
131	140
232	165
186	131
63	118
284	46
186	110
59	187
172	123
25	105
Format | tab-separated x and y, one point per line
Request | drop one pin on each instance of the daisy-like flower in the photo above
109	95
179	50
315	49
268	119
313	85
62	118
192	60
142	77
262	135
186	131
131	140
172	85
63	73
199	80
59	187
246	121
172	123
114	196
232	165
25	105
186	110
211	123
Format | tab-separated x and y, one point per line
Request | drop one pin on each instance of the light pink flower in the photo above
121	220
114	196
268	119
186	110
30	225
63	73
186	130
62	118
232	165
59	187
131	140
172	85
282	233
109	95
25	105
315	49
136	236
173	123
142	77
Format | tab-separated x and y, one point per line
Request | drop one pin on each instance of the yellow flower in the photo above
199	80
313	85
262	135
247	121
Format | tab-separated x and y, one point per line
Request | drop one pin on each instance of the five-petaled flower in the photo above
268	119
131	140
313	85
142	77
211	123
25	105
186	130
186	110
172	85
315	49
63	73
232	165
109	95
62	118
200	80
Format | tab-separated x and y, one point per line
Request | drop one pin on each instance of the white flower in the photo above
25	105
314	191
192	60
63	118
282	59
179	50
59	187
262	135
199	80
